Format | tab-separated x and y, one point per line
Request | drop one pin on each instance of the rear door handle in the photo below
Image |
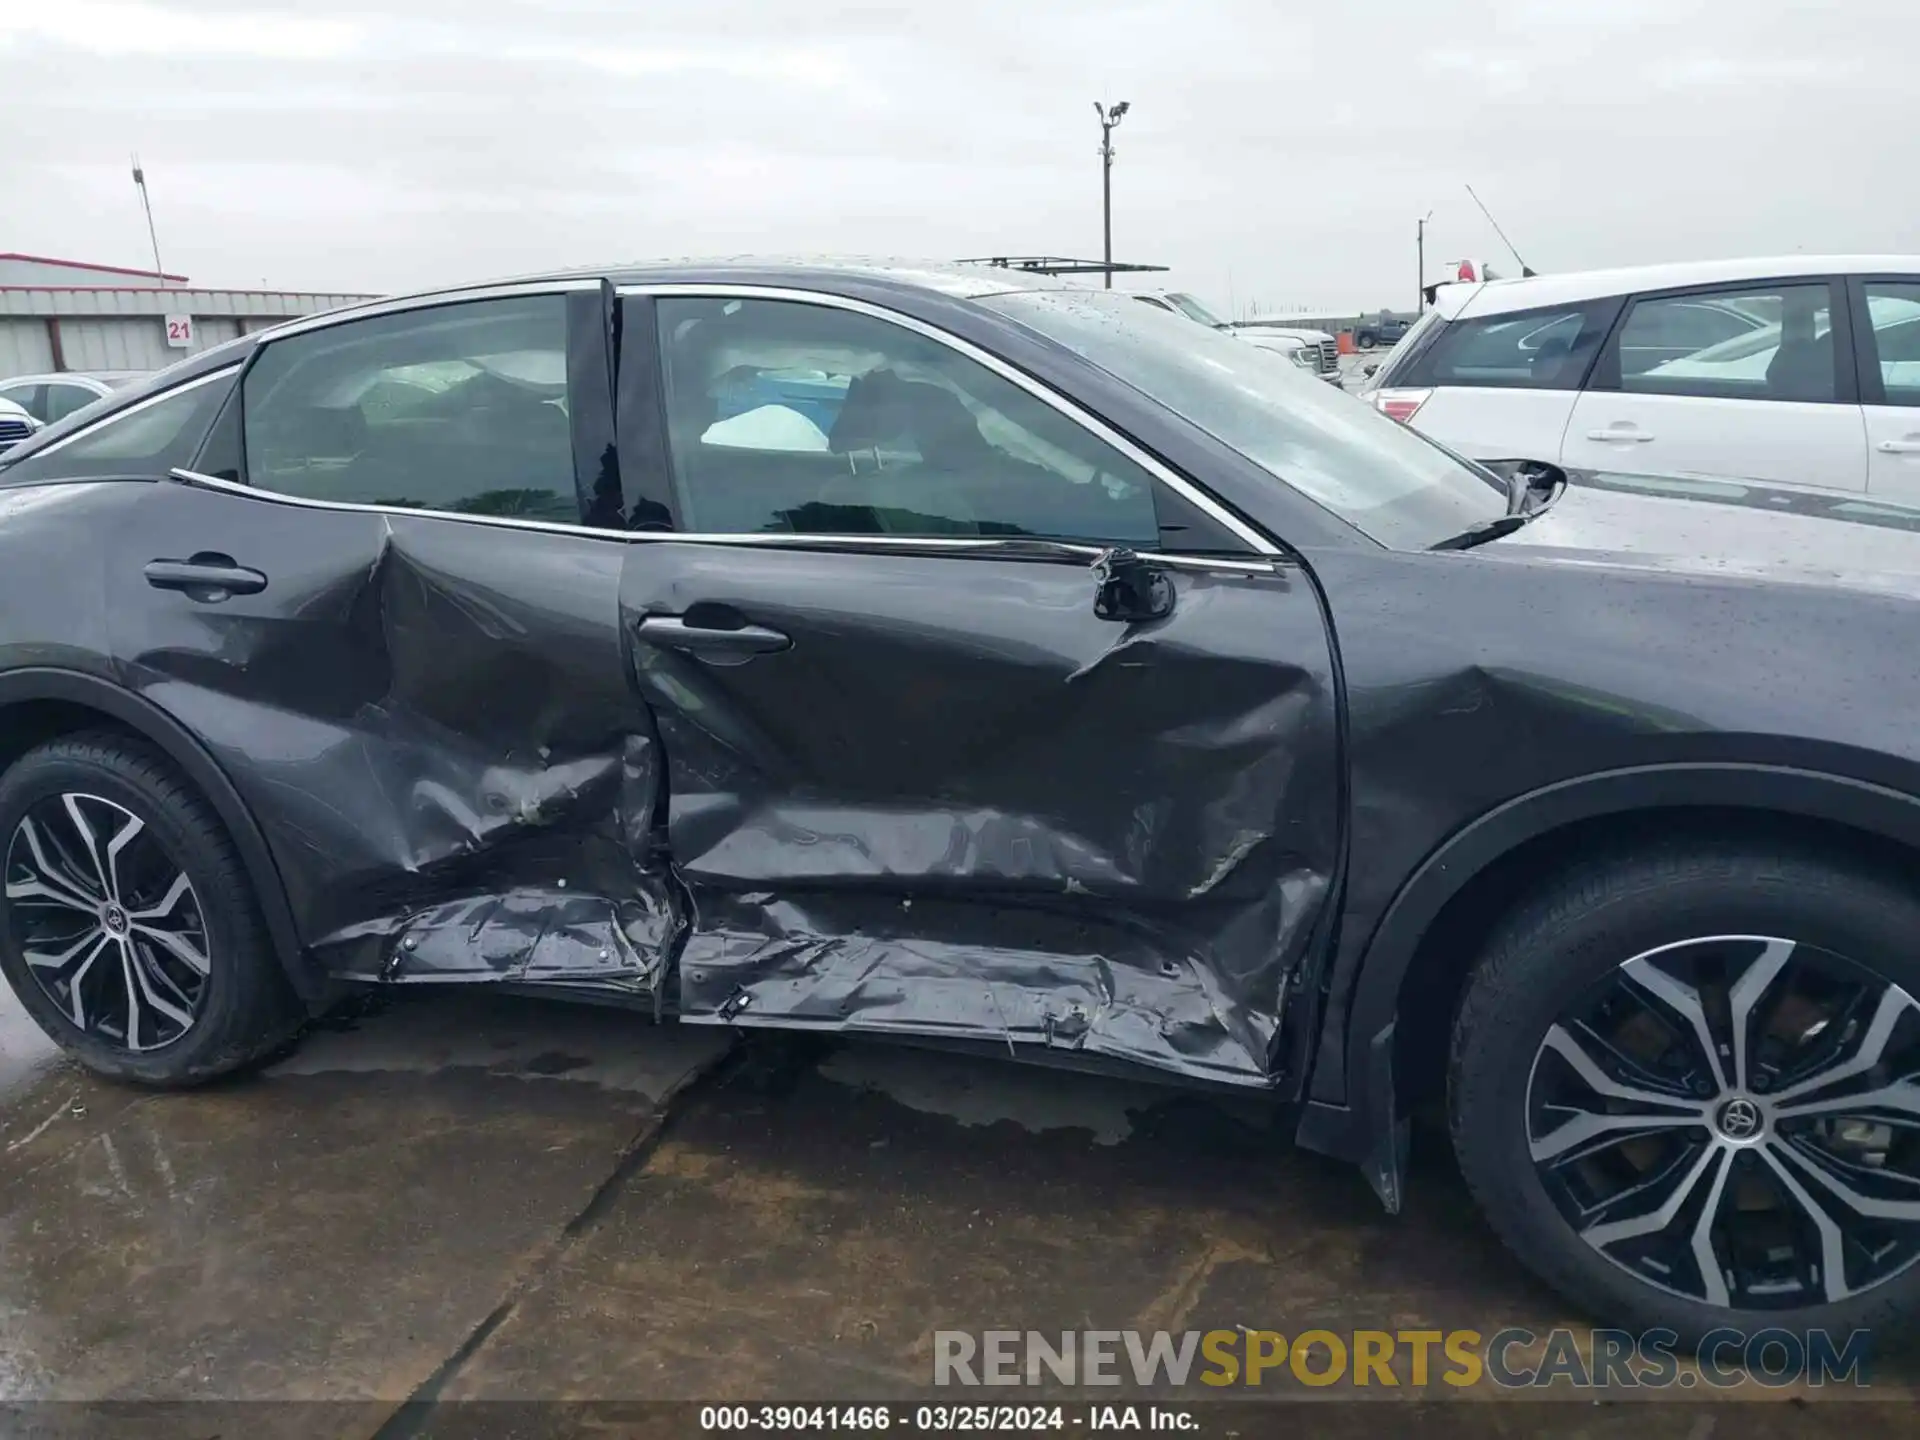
1900	447
205	576
1636	437
720	645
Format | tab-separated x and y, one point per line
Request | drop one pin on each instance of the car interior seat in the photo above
1802	368
920	496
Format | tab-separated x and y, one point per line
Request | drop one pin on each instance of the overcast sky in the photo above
1276	152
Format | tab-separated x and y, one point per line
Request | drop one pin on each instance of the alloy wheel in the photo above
1736	1120
108	925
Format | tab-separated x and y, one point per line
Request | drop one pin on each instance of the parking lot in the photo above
500	1199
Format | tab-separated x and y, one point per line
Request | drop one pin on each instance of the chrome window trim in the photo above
1004	548
225	372
1085	419
400	304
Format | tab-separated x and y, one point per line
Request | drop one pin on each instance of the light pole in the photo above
1420	246
1108	119
140	182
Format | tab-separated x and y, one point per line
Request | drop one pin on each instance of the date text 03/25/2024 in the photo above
944	1419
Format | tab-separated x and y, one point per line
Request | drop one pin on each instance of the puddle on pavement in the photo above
24	1051
512	1037
975	1093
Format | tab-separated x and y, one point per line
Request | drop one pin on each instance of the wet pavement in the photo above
466	1196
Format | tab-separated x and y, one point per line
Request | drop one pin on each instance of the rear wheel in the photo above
128	929
1682	1087
1366	340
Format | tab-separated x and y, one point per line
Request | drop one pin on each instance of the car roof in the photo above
53	377
1497	297
961	281
827	273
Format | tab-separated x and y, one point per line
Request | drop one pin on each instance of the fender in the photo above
1354	1114
179	746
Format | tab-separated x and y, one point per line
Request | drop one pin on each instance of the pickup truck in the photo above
1312	350
1386	328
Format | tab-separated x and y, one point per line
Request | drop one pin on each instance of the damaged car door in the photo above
374	600
956	747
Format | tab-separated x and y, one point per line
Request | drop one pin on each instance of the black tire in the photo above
246	1008
1568	939
1365	340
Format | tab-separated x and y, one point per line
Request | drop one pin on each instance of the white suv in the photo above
1802	370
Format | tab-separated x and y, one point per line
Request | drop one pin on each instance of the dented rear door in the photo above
428	713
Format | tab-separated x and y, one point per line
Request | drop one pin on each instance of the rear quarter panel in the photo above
52	573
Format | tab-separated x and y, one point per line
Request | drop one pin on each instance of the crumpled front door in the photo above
942	795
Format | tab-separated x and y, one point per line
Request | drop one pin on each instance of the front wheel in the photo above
128	929
1681	1088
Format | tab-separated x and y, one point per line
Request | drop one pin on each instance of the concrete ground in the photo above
464	1196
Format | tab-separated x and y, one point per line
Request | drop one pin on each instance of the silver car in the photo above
51	397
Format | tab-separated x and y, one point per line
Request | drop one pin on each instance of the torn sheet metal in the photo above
532	933
1009	819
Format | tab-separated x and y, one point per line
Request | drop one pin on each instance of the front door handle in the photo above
1900	447
717	644
205	576
1635	437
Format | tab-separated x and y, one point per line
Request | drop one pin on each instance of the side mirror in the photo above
1525	478
1129	589
1371	369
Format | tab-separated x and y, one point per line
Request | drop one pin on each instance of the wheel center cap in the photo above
115	920
1739	1120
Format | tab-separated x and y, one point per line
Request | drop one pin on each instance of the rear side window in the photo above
1763	342
1663	330
1546	349
459	407
144	441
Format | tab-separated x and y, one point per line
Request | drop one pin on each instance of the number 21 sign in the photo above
180	332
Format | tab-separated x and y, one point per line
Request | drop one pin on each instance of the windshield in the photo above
1381	477
1193	309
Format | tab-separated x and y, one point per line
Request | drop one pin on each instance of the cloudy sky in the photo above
1278	153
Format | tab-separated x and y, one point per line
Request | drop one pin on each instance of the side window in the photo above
1546	349
144	441
30	398
1893	308
460	407
1782	348
1670	330
63	400
787	416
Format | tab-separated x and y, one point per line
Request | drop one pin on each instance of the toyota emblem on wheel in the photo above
1739	1119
